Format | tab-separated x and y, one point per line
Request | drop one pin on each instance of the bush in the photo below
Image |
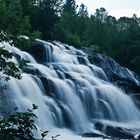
19	124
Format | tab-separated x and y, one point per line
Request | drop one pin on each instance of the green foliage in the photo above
13	22
70	7
44	134
101	14
43	16
14	27
19	124
95	48
63	21
54	137
102	32
66	28
7	67
83	11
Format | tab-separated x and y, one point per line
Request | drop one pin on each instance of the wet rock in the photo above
118	132
17	56
121	76
137	137
99	126
92	134
37	49
60	74
68	76
30	70
117	74
81	60
46	85
114	132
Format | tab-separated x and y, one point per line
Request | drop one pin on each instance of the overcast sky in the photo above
115	8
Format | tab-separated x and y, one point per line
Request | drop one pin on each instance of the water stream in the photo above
71	95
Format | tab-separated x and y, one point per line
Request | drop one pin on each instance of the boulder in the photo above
99	126
92	134
30	70
46	85
114	132
37	49
118	132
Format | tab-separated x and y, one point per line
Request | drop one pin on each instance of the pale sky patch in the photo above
115	8
123	12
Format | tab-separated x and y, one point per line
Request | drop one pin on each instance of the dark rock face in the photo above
113	132
17	56
99	126
121	76
30	70
47	85
93	134
37	49
119	132
117	74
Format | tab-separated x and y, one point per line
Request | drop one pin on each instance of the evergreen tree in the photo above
44	16
60	20
83	11
83	19
70	7
13	27
66	28
101	14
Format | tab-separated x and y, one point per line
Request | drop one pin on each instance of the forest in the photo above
65	21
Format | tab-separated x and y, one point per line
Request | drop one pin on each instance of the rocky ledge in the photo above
121	76
107	131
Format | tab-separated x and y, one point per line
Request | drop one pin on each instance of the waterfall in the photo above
70	92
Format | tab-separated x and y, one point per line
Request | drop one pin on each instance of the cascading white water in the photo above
74	95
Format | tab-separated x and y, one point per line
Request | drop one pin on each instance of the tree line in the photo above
63	20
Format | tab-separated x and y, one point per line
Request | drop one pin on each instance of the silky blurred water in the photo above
78	94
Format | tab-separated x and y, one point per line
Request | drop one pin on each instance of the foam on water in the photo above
74	95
